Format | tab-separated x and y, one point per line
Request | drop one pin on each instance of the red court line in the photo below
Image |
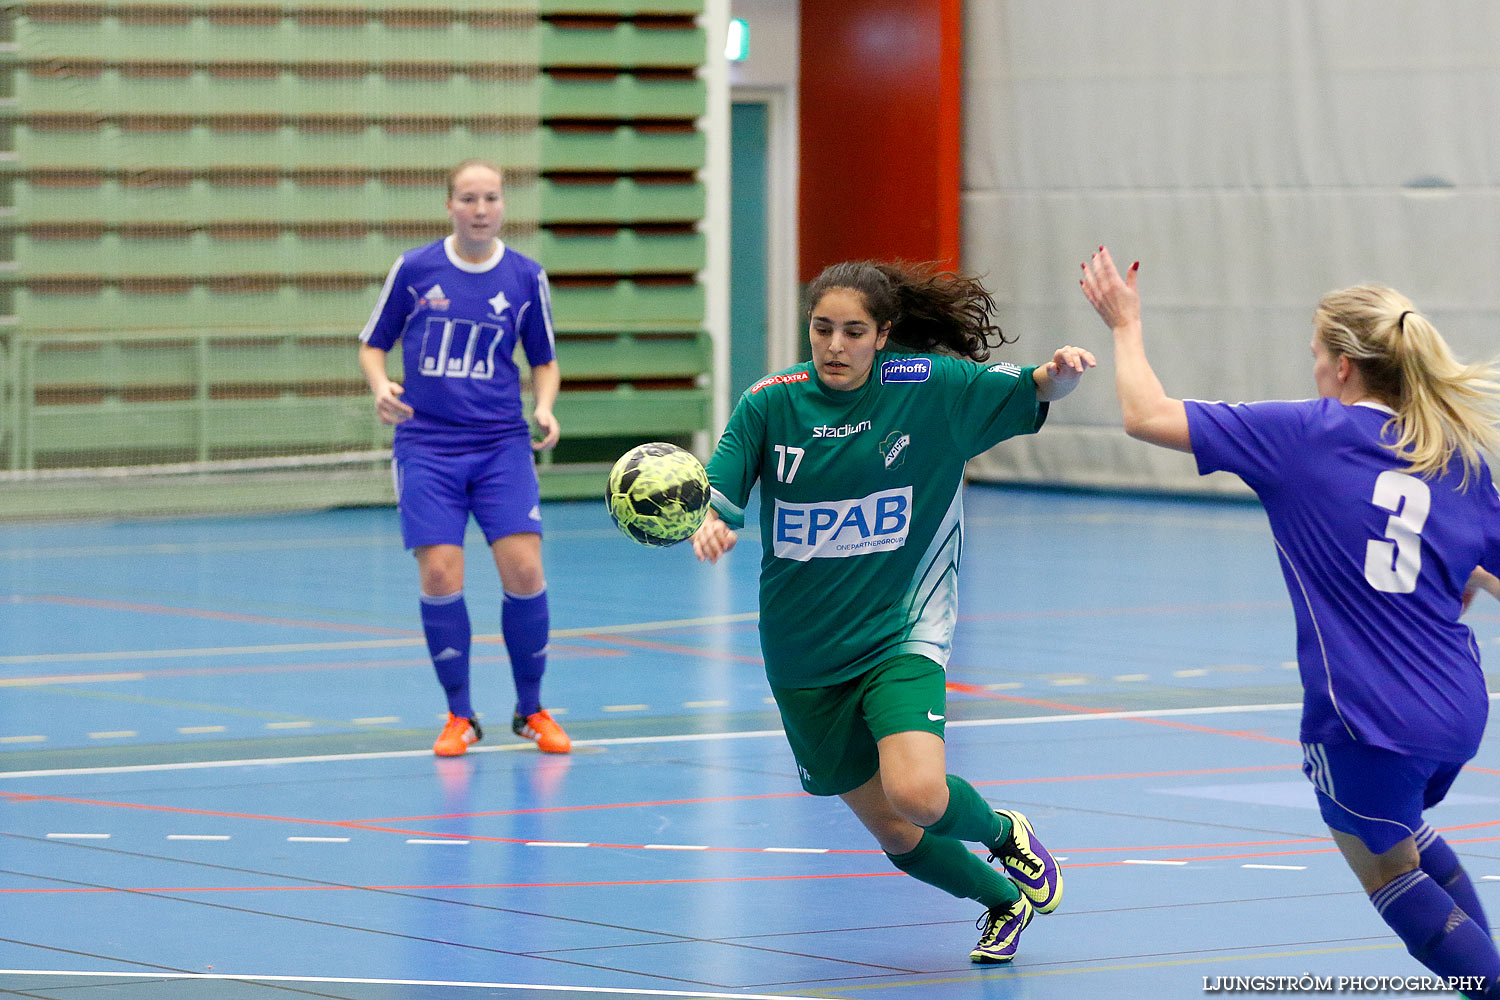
793	795
555	650
563	651
979	692
589	808
222	616
1159	609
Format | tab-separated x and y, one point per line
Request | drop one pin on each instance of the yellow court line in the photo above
68	679
321	647
1023	973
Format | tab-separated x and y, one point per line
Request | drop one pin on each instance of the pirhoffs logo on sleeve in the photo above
905	370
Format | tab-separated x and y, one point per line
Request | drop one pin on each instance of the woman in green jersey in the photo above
860	454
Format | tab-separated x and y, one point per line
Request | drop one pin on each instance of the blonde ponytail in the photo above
1442	405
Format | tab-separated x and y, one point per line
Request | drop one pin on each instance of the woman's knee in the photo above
441	570
919	800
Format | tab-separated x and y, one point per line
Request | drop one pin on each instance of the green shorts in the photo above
833	730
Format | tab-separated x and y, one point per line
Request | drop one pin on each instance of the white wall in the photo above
774	45
1252	156
770	74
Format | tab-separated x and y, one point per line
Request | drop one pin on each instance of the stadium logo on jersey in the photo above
433	298
1006	367
842	431
778	379
499	303
905	370
893	448
839	529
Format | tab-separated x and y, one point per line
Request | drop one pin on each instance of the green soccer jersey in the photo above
861	504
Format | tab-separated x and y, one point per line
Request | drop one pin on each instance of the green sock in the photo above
969	817
947	864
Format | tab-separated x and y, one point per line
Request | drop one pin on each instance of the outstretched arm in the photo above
1479	580
1150	414
1060	376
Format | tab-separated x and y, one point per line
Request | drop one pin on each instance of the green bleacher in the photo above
200	199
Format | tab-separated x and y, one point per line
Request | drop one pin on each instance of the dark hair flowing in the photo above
927	308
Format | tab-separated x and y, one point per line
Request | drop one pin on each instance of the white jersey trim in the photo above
385	293
722	503
449	243
1322	649
933	596
544	292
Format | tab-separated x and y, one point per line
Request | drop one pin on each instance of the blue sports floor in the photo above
216	781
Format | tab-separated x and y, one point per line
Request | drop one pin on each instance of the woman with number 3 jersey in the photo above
860	454
1386	521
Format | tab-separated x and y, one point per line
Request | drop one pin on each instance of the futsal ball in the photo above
657	493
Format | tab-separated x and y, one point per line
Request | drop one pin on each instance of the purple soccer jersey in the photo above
459	324
1375	561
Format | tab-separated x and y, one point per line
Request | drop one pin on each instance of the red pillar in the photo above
879	100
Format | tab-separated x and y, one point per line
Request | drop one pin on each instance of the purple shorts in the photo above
1377	795
436	493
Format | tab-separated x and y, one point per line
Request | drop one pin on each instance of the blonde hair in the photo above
465	165
1442	405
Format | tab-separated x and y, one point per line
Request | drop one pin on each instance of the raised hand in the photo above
1114	298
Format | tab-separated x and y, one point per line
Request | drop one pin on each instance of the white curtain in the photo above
1252	155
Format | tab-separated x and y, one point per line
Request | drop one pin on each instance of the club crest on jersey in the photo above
1006	367
778	379
893	448
499	304
905	370
433	298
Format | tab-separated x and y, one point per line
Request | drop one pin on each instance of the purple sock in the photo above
1442	866
445	620
1437	932
525	623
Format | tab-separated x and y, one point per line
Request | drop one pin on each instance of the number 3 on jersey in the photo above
1391	567
783	474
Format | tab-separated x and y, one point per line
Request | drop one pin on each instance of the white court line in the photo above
557	843
1278	868
77	836
408	982
197	836
796	850
1147	861
751	734
675	847
418	840
317	840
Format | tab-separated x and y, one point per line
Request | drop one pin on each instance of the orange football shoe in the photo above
540	726
456	736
